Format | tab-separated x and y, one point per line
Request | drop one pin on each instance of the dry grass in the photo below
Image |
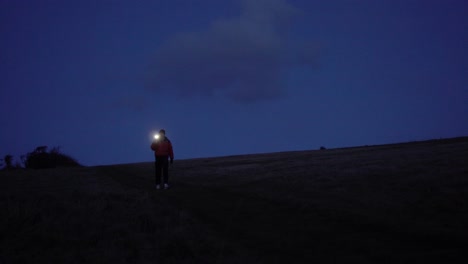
404	203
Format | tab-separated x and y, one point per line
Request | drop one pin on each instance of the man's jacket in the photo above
163	148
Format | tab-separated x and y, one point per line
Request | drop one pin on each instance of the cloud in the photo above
244	58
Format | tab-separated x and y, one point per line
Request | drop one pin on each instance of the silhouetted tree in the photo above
41	159
8	159
17	165
41	149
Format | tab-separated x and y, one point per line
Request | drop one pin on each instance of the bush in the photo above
7	163
41	159
8	159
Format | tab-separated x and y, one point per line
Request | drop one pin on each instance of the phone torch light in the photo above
156	136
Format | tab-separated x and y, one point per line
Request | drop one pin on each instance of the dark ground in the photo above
401	203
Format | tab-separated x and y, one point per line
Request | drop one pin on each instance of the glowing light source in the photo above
156	136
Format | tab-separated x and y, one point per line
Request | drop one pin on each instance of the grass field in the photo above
401	203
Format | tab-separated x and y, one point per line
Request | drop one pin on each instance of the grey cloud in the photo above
244	58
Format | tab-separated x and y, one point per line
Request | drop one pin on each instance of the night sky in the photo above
229	77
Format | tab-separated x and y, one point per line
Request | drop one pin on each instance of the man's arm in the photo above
154	146
171	152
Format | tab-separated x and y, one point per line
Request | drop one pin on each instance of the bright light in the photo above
156	136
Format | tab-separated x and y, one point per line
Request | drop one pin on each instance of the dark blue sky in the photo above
229	77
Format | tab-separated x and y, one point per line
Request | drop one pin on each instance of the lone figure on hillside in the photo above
162	148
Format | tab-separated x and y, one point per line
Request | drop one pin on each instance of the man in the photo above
162	148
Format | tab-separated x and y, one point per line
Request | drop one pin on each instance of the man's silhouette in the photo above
162	148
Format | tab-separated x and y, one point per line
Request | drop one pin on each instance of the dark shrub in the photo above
41	159
8	159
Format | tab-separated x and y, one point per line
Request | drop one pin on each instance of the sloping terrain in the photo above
400	203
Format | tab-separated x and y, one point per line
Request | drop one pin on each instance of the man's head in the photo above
162	134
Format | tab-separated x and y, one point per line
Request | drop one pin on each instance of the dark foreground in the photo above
405	203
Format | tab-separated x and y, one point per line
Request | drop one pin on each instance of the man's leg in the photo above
157	167
166	171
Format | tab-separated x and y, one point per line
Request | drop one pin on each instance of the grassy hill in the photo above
400	203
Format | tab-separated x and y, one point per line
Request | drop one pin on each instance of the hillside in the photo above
400	203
